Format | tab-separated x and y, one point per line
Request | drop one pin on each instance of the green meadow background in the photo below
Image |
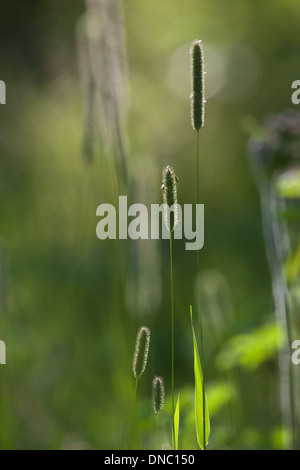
71	304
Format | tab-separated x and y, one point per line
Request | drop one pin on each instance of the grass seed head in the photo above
169	189
141	350
158	394
197	95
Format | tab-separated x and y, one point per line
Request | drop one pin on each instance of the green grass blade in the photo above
199	387
176	423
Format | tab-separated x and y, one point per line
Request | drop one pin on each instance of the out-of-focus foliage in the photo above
67	300
250	350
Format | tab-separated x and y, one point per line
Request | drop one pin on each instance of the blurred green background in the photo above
71	304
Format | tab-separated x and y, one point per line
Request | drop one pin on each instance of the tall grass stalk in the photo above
140	358
197	120
172	320
198	295
169	188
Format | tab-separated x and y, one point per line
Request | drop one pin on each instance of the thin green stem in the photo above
132	413
197	287
172	312
157	431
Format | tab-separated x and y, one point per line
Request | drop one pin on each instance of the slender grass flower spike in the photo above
141	351
197	95
169	190
158	399
158	394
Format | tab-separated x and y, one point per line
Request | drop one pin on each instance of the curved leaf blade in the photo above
176	423
201	416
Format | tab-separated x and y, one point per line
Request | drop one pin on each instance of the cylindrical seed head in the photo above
158	394
169	189
141	350
197	95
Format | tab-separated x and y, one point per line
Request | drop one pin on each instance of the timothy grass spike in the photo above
197	95
141	350
169	189
158	394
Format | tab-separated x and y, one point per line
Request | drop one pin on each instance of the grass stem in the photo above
172	313
197	287
157	431
132	413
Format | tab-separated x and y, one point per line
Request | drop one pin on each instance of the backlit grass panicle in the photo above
197	75
141	350
169	189
158	394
